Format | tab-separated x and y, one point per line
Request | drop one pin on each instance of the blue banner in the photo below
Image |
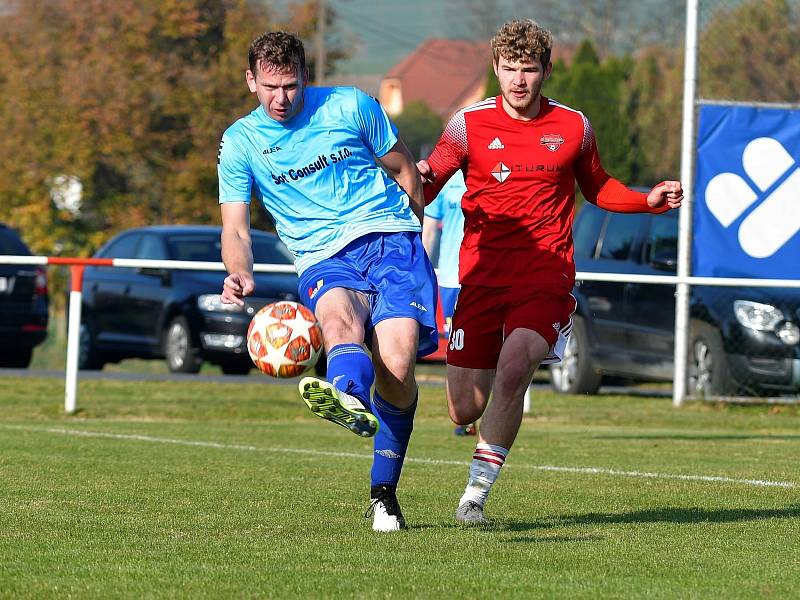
747	193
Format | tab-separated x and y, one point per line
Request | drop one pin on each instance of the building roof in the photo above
445	74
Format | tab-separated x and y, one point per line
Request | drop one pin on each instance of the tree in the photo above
595	88
419	127
129	97
752	53
652	99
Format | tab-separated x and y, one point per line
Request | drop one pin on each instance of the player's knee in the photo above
399	367
338	328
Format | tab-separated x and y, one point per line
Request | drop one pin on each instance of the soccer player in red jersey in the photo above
521	154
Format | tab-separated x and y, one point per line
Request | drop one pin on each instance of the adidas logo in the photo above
728	196
496	144
418	306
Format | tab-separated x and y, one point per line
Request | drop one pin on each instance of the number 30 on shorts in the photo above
457	339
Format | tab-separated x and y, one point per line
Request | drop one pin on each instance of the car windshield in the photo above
207	248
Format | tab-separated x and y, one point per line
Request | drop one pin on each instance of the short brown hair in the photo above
522	40
277	49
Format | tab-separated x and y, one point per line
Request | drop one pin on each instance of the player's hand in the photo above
425	171
668	192
235	287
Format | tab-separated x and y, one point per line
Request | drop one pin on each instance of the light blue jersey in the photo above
446	207
316	173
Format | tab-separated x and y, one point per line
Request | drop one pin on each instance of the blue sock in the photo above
391	441
350	370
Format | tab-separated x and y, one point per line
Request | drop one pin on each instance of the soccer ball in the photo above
284	339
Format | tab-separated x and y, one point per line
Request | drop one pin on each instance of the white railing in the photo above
77	265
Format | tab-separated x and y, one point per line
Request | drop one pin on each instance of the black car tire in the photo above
575	373
18	358
181	354
241	367
88	357
708	373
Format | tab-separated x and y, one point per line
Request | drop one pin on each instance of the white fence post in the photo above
685	222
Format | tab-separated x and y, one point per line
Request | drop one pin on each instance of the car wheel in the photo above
236	368
182	356
575	374
19	358
88	357
707	367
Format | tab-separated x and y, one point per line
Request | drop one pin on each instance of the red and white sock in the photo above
483	472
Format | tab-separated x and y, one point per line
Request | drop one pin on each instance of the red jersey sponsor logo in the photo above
501	172
551	141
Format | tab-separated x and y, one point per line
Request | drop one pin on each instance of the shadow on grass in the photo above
663	515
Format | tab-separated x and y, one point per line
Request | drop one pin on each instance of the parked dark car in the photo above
23	304
742	340
174	314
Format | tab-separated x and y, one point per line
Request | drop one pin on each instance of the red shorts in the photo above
485	316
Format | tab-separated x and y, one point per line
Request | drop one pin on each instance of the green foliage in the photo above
492	86
652	99
595	88
419	127
752	53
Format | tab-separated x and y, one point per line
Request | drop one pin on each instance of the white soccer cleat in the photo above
385	510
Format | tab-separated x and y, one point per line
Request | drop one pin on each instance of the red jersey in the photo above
520	198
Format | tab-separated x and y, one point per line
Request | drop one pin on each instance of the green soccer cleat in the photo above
327	402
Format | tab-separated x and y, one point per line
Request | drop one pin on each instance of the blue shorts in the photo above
394	272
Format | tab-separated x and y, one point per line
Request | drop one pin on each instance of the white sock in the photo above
483	472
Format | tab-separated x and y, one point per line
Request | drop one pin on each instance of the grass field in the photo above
192	489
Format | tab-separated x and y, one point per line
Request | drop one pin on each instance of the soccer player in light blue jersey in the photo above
347	201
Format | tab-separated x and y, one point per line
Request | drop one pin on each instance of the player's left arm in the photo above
611	194
400	165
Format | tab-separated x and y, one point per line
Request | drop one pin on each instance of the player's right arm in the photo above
235	185
237	253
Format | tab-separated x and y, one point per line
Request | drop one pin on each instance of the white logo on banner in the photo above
777	219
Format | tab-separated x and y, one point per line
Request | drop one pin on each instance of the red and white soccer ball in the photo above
284	339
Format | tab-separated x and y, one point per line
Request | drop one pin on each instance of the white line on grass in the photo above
427	461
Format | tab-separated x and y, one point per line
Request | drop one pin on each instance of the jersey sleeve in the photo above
377	132
448	156
233	171
599	187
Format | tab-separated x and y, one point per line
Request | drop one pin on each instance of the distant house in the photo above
444	74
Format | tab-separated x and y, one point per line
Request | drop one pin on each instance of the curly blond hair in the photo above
522	39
